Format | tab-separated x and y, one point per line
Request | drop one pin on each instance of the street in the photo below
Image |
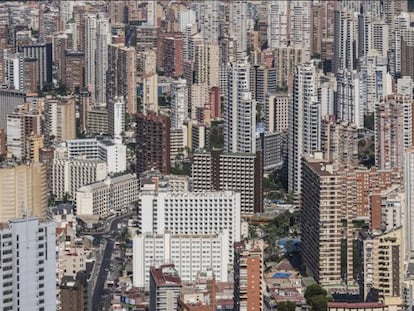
96	302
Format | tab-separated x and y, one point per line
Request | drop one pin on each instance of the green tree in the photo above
316	297
286	306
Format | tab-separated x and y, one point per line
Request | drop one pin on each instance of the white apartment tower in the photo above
239	110
28	274
179	103
191	213
103	38
209	23
238	26
408	224
304	120
90	50
190	253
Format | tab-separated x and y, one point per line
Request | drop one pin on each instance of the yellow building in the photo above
23	190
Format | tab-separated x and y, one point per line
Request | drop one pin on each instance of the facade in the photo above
277	112
23	191
270	145
9	101
60	118
179	103
190	254
112	195
43	53
173	55
153	143
239	110
190	213
29	252
73	293
305	114
227	171
381	252
68	175
113	152
116	116
73	76
336	198
150	93
393	130
165	286
249	287
121	75
408	211
339	141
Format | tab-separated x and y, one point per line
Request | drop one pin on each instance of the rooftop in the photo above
165	275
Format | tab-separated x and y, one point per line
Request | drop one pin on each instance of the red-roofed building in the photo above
165	287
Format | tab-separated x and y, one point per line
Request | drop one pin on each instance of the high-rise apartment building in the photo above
121	75
68	175
276	111
153	143
74	70
393	131
116	116
42	52
379	254
239	110
409	202
173	55
249	288
336	198
150	93
9	101
289	25
90	50
179	103
28	276
339	142
112	195
165	287
14	72
190	253
226	171
160	212
60	118
309	105
23	191
103	38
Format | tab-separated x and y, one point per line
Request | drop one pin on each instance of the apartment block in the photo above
74	71
231	171
28	264
68	175
153	143
165	286
60	118
23	191
249	287
337	202
112	195
339	141
190	253
173	55
276	109
393	130
379	254
121	75
112	151
190	213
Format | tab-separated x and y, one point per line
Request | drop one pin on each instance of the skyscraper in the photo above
29	264
121	75
239	110
179	103
90	50
153	143
304	120
103	38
